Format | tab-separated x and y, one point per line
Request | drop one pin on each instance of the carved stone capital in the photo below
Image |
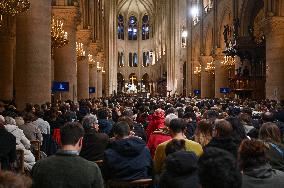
70	15
84	36
273	25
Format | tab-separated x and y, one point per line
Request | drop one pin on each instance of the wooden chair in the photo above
35	148
20	167
141	183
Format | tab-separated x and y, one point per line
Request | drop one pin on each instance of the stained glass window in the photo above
132	28
145	28
120	27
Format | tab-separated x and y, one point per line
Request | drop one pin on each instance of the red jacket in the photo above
157	137
156	121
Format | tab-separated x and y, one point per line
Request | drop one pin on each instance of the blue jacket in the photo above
127	159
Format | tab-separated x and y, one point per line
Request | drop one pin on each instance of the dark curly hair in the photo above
218	168
252	154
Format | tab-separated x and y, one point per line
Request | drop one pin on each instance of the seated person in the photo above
66	168
180	167
94	143
270	134
160	135
128	158
257	172
218	168
22	142
7	147
177	129
222	137
31	131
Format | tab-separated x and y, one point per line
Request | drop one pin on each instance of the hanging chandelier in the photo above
197	70
210	68
228	62
13	7
59	37
80	52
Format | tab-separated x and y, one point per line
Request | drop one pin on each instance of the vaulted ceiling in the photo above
138	6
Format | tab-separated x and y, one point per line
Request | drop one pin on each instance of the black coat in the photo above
94	145
7	149
127	159
181	171
227	144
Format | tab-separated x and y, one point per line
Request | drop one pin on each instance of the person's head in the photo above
128	120
177	126
169	118
267	117
90	122
269	132
222	128
28	117
2	107
11	180
103	113
29	108
171	110
239	132
121	130
10	120
218	168
252	154
174	146
203	132
72	135
2	121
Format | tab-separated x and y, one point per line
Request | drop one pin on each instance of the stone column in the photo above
83	36
33	55
221	74
7	50
207	79
93	78
274	29
65	60
99	84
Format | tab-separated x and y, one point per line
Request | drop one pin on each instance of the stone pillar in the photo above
207	79
99	84
221	75
93	78
65	60
274	29
33	55
7	50
83	36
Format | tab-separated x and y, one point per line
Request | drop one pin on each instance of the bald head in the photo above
268	117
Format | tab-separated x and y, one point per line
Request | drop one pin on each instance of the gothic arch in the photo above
249	10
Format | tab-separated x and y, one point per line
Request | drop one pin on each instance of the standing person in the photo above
105	125
66	168
31	131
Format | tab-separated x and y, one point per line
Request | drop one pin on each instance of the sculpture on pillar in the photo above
226	34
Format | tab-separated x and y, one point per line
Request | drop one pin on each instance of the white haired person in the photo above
21	141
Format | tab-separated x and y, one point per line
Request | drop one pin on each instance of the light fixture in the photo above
210	68
228	62
80	52
13	7
197	70
184	35
194	11
59	38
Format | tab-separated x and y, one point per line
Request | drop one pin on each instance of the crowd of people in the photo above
175	141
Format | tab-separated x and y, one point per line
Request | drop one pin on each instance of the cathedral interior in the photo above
79	49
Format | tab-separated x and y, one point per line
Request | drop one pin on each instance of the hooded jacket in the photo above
263	177
181	171
127	159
